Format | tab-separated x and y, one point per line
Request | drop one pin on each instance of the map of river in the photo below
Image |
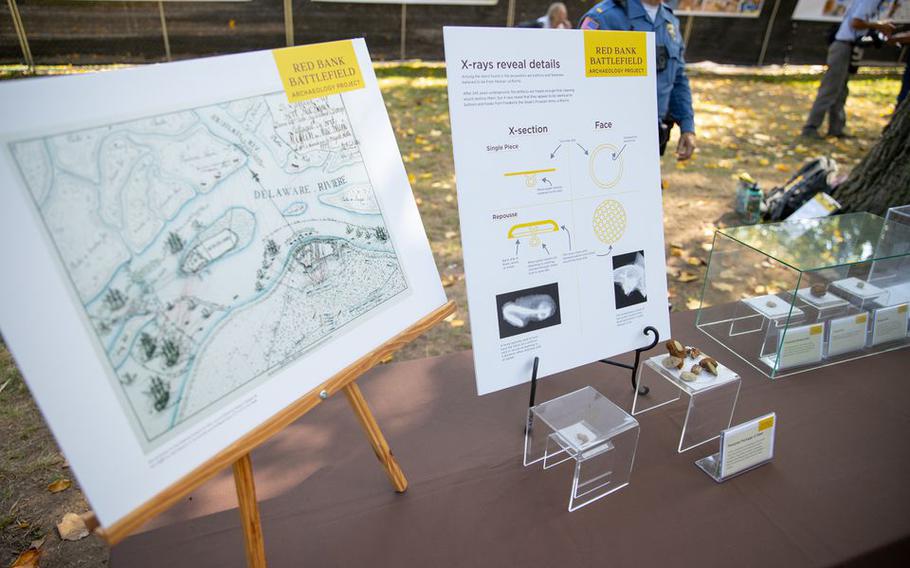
213	246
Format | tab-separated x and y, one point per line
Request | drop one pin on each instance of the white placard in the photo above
801	345
558	194
186	252
747	445
847	334
889	324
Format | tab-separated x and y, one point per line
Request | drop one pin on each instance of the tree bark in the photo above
882	178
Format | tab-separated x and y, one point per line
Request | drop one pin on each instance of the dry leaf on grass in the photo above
72	527
695	261
676	251
28	559
449	280
30	556
686	277
722	286
693	304
456	323
60	485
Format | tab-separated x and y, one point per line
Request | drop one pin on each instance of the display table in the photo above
835	492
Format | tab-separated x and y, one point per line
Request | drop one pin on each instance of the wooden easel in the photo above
238	454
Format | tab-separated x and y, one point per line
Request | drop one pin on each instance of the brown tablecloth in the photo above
838	490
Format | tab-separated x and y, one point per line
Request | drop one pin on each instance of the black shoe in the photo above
841	135
810	133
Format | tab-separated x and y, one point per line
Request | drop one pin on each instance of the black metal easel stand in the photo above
633	367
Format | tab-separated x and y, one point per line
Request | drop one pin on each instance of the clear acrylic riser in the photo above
586	427
793	296
711	400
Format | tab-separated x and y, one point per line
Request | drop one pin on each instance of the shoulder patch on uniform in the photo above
589	24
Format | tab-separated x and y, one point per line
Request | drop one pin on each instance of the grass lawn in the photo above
746	121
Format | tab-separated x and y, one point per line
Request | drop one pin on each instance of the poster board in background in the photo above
834	10
417	2
558	178
188	252
719	8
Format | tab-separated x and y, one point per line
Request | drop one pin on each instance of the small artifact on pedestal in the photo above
709	364
687	376
693	352
818	290
696	369
672	362
676	349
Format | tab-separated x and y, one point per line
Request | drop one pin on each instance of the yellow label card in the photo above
816	330
615	54
312	71
861	318
765	423
902	308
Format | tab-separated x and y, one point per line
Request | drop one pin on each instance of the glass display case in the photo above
792	296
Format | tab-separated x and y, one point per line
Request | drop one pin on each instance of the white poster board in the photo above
186	252
555	141
834	10
719	8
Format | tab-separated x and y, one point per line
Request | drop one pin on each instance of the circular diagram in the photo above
609	221
605	165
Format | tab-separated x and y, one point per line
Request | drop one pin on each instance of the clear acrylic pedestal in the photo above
587	427
712	400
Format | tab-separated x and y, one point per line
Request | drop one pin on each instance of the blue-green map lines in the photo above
212	246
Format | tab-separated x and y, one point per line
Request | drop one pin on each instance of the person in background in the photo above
674	97
902	38
557	17
861	17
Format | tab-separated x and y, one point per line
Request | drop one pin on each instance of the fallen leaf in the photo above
760	289
23	524
451	317
28	559
456	323
676	251
451	234
61	484
686	277
449	280
695	261
72	527
782	167
722	286
693	304
764	161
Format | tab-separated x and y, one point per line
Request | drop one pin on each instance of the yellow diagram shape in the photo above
532	229
609	221
606	152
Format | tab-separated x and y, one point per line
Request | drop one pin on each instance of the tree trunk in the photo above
882	178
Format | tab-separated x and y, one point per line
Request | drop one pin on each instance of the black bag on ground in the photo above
812	178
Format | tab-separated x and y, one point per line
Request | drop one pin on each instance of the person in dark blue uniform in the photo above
674	98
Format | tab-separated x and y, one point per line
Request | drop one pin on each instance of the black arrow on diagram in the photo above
563	227
518	242
547	181
582	148
553	153
545	248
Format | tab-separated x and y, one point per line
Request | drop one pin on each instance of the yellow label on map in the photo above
615	54
861	318
816	330
765	423
312	71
